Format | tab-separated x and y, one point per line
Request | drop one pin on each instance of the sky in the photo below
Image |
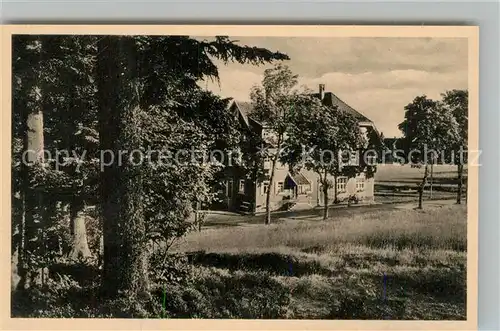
376	76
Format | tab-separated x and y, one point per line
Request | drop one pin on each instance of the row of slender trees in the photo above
438	130
81	106
303	132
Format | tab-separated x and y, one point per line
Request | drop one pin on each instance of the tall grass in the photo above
441	229
385	264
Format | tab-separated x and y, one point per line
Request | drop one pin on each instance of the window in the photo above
279	187
349	157
360	184
242	186
304	188
344	157
341	184
354	158
267	163
371	160
265	187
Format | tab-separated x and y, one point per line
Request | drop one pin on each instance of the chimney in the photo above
321	91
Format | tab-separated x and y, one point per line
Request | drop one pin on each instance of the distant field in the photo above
375	264
407	174
399	183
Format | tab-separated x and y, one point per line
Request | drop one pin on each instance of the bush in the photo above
166	268
226	295
354	298
47	300
64	298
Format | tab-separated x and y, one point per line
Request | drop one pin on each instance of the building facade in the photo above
291	189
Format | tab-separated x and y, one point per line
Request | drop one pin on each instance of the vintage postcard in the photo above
239	177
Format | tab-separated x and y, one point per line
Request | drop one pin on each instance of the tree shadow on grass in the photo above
275	263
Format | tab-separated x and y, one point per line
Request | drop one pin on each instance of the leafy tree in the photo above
457	101
429	129
61	69
273	104
73	139
115	94
317	136
174	180
137	75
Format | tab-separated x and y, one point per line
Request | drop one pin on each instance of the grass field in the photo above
387	263
395	183
406	174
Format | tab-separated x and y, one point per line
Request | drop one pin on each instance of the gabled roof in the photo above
332	100
299	178
245	108
392	142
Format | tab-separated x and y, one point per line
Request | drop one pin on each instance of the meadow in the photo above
380	261
386	263
394	173
396	183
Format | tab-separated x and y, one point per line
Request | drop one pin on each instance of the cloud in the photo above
313	57
396	79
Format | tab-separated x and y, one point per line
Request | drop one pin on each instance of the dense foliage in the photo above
78	101
435	130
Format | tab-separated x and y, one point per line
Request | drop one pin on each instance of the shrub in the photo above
246	295
228	295
166	268
353	299
47	300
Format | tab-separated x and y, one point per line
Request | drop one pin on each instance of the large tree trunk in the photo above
33	149
125	262
460	170
80	246
422	187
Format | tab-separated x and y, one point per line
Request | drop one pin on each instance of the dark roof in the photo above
245	107
299	178
332	100
392	142
329	99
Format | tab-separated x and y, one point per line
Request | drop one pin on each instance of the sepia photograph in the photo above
238	176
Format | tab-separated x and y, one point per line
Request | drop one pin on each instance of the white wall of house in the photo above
361	186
